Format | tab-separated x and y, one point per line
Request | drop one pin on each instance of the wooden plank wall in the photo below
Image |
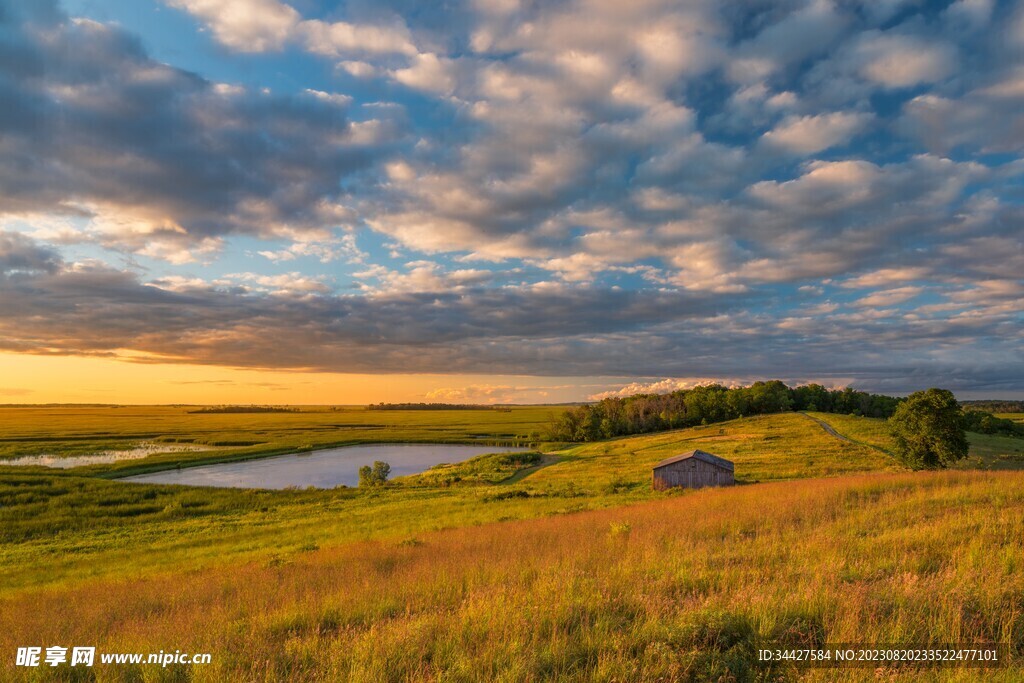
692	474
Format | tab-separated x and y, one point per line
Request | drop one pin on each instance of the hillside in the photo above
988	451
683	588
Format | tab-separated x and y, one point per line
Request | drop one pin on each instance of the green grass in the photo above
987	451
78	527
484	567
764	448
684	588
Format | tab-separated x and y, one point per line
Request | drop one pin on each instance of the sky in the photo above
507	201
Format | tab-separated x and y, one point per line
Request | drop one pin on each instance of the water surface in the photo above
142	450
321	469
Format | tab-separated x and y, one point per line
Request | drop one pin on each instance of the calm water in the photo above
143	450
322	469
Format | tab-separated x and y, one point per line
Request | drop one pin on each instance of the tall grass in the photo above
683	588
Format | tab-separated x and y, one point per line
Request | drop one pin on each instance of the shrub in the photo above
377	475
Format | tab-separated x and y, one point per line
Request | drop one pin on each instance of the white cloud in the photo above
666	386
326	252
245	25
889	297
420	276
428	72
266	25
900	61
810	134
340	39
283	284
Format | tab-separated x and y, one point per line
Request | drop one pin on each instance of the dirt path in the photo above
828	428
831	430
545	460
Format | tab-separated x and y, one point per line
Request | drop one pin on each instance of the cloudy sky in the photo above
506	200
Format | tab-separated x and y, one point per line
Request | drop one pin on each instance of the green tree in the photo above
374	476
928	430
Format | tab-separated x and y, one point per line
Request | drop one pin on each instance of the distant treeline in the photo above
995	406
708	404
430	406
245	409
987	423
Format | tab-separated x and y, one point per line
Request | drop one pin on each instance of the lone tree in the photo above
376	475
928	429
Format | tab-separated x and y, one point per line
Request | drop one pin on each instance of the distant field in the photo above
83	430
683	588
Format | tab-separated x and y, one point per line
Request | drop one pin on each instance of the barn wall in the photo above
692	474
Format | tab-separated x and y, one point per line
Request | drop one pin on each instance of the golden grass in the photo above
682	588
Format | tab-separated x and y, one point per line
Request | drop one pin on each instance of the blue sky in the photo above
656	192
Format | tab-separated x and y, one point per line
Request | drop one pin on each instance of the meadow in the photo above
80	527
988	451
561	564
685	588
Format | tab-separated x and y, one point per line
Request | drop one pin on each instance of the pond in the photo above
321	469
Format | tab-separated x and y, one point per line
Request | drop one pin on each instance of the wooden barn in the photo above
693	470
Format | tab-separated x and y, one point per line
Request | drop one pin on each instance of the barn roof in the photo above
699	455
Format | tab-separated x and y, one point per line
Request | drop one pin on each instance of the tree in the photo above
928	430
374	476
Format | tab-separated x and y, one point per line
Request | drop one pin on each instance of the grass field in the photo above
556	566
79	527
69	431
684	588
988	451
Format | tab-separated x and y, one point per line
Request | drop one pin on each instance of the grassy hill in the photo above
988	451
682	588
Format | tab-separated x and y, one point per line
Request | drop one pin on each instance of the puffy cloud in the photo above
160	161
900	61
810	134
245	25
664	386
340	39
265	25
428	72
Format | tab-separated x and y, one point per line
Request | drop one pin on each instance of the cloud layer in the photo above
665	189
